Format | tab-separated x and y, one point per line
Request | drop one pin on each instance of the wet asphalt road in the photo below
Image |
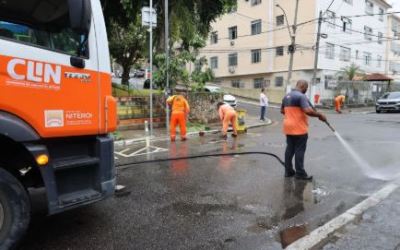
241	202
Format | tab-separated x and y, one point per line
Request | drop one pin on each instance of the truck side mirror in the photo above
80	14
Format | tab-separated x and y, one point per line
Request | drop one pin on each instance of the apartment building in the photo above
248	48
393	48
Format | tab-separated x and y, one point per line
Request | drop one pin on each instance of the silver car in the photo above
388	102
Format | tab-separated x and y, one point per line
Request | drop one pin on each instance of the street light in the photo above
287	21
292	46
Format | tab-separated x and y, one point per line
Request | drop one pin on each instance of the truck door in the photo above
48	72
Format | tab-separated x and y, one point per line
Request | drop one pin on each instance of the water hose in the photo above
330	126
203	156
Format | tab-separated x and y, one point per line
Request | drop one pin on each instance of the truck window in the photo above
52	33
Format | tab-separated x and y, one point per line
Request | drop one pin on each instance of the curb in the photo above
165	138
323	233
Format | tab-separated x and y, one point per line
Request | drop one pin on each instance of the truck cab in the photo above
56	109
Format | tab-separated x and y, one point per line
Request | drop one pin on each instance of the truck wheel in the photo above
14	210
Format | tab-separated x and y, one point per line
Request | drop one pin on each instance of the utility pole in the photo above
314	79
292	49
151	68
166	21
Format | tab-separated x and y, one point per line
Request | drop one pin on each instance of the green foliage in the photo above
127	37
200	77
349	72
177	69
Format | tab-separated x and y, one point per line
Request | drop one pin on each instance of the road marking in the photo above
322	233
142	151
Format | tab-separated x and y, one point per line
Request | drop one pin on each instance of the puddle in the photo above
291	234
263	223
187	209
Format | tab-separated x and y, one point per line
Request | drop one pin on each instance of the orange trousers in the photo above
338	105
178	118
229	117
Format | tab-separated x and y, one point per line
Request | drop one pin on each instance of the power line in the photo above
268	31
361	32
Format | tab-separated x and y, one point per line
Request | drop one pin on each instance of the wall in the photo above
134	111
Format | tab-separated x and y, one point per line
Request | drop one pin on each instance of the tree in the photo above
177	69
350	72
187	18
127	37
200	77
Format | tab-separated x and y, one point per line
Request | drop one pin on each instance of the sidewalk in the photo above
378	228
161	133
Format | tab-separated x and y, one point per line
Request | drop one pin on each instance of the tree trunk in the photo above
125	74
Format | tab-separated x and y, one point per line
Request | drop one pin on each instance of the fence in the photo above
133	111
358	93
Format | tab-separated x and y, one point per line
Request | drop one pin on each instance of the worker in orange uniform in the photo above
179	112
227	115
339	100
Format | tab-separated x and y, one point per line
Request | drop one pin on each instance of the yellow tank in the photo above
240	122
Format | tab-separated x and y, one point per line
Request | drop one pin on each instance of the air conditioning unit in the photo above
232	43
231	69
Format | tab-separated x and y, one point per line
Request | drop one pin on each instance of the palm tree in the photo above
350	72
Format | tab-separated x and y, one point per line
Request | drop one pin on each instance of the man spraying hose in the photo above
179	111
227	115
296	107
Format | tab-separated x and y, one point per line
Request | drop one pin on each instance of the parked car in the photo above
139	73
230	99
388	102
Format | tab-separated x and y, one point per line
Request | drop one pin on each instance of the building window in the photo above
259	83
329	82
345	54
214	38
381	14
368	33
214	62
197	66
232	58
255	2
235	83
278	81
255	55
330	51
380	37
367	58
357	55
379	61
279	51
331	19
369	7
232	32
256	27
347	25
280	20
348	1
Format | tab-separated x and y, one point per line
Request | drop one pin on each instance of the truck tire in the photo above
14	210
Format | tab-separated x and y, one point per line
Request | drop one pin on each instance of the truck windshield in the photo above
42	25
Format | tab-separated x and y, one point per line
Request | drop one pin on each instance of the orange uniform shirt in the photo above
340	98
224	110
295	121
178	104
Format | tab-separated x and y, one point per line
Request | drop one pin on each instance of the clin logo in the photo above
20	69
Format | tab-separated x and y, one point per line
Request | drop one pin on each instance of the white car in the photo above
230	99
